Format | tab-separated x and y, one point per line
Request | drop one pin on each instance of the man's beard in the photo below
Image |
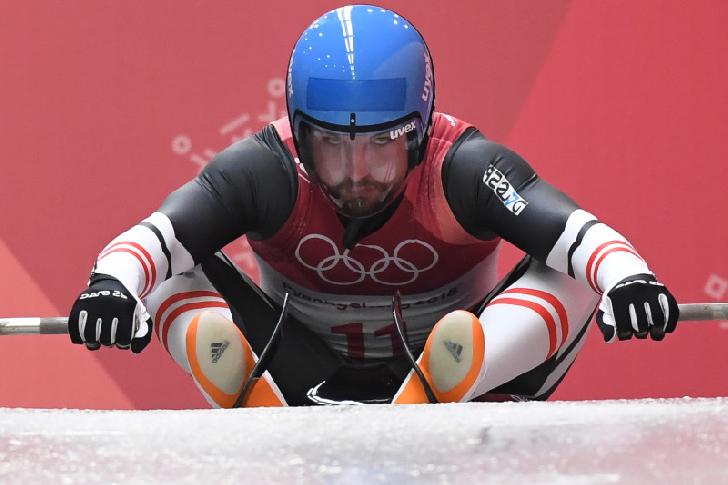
361	198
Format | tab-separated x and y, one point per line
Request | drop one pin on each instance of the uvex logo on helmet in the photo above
396	133
427	88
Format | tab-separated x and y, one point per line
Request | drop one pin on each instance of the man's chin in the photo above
361	208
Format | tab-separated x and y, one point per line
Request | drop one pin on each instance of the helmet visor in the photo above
362	172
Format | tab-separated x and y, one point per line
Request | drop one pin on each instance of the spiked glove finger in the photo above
638	305
108	314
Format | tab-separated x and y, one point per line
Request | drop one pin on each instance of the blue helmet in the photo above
361	69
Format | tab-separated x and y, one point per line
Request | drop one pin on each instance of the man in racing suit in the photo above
361	191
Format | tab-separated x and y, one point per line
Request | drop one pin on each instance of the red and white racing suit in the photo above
437	245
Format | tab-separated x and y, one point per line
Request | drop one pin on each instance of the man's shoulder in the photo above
463	135
260	148
447	127
260	159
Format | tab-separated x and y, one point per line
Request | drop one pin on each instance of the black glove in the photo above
106	313
637	305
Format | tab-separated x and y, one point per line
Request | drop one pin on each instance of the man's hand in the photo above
637	305
106	313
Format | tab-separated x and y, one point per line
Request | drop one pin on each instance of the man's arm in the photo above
248	188
493	191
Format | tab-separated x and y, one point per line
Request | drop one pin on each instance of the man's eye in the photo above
381	140
332	140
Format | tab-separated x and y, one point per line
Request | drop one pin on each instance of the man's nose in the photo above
359	168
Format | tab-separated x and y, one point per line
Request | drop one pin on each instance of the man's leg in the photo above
302	360
194	324
522	342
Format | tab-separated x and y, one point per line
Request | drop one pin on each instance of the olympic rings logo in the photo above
358	270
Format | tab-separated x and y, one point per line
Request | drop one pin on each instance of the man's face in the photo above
360	174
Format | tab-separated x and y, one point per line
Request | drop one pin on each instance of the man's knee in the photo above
452	361
456	354
174	304
221	362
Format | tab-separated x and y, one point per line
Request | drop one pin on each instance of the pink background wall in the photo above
106	106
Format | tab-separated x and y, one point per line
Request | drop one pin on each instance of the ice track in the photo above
666	441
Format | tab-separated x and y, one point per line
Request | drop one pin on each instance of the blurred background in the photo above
107	106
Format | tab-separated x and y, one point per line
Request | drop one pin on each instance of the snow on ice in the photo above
647	441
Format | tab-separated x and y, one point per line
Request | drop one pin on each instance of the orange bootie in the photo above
452	361
221	361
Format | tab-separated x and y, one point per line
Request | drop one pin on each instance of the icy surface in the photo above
666	441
